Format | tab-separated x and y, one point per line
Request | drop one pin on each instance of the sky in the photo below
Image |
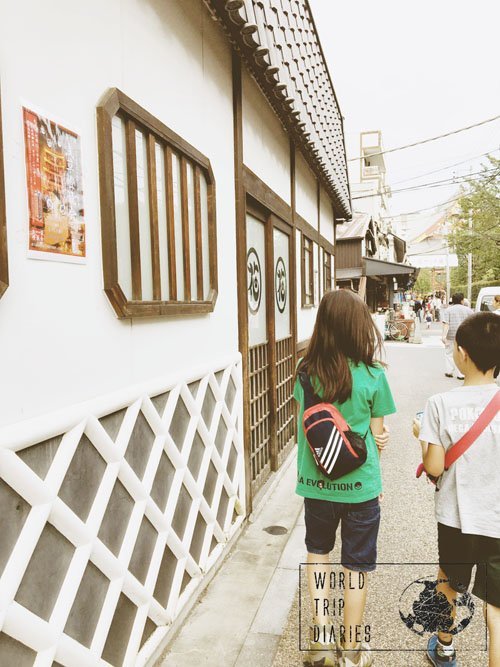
413	71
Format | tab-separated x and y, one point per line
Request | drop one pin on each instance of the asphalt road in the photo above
407	542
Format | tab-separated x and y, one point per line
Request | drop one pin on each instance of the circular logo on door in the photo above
254	280
280	284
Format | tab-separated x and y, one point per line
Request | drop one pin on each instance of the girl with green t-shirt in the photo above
340	361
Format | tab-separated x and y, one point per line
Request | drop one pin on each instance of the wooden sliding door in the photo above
270	343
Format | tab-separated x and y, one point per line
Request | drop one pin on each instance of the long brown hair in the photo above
344	330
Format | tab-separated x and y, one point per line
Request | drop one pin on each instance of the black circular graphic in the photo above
358	485
423	608
254	281
280	284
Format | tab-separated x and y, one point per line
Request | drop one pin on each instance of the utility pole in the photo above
448	288
469	265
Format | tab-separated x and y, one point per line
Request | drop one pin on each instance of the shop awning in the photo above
377	267
349	274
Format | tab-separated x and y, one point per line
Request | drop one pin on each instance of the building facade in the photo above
372	261
171	174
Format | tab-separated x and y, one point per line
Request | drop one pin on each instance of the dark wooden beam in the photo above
133	210
4	262
241	267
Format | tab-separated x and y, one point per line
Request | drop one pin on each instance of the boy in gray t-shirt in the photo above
468	497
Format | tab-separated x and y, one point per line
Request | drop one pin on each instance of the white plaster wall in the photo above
306	193
266	147
60	341
326	216
306	317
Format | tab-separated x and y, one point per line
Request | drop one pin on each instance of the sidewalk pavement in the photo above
408	530
249	614
240	618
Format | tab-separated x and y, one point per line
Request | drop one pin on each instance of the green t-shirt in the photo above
371	397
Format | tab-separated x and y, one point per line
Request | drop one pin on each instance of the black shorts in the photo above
359	530
459	553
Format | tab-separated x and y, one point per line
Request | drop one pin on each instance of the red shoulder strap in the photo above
482	422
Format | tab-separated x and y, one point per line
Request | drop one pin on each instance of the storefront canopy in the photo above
377	267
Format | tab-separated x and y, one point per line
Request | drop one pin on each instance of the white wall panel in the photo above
326	216
306	191
266	147
60	342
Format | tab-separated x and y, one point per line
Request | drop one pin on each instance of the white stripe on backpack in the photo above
327	450
334	451
330	467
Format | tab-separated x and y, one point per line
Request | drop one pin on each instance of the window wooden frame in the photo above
327	271
113	103
307	248
4	262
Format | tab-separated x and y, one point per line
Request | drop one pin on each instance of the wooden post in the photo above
241	270
362	287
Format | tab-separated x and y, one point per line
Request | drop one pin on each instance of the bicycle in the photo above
396	330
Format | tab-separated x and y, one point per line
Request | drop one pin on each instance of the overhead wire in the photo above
421	210
444	182
449	166
426	141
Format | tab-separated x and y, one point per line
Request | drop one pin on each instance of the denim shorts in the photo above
359	524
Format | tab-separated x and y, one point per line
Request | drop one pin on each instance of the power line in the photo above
482	233
453	180
449	166
426	141
428	208
427	252
421	210
432	184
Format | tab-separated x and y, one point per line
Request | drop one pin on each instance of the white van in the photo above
486	301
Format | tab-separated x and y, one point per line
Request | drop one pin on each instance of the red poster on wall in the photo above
55	190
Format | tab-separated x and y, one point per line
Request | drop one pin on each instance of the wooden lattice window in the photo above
307	272
4	265
327	271
157	215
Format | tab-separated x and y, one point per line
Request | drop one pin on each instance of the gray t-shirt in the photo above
454	316
468	495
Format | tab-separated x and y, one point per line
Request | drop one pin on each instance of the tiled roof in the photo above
279	43
355	229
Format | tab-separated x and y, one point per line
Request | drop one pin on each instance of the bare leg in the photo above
493	621
355	591
318	579
451	596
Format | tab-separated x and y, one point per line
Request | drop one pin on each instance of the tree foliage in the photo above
427	283
481	203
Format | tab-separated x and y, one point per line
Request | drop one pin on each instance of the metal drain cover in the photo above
276	530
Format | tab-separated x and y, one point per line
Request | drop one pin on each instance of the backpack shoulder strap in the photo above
310	398
482	422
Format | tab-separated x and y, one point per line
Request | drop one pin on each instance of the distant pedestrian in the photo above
437	305
468	501
453	317
417	307
340	365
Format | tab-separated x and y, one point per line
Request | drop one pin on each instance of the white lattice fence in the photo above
111	513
